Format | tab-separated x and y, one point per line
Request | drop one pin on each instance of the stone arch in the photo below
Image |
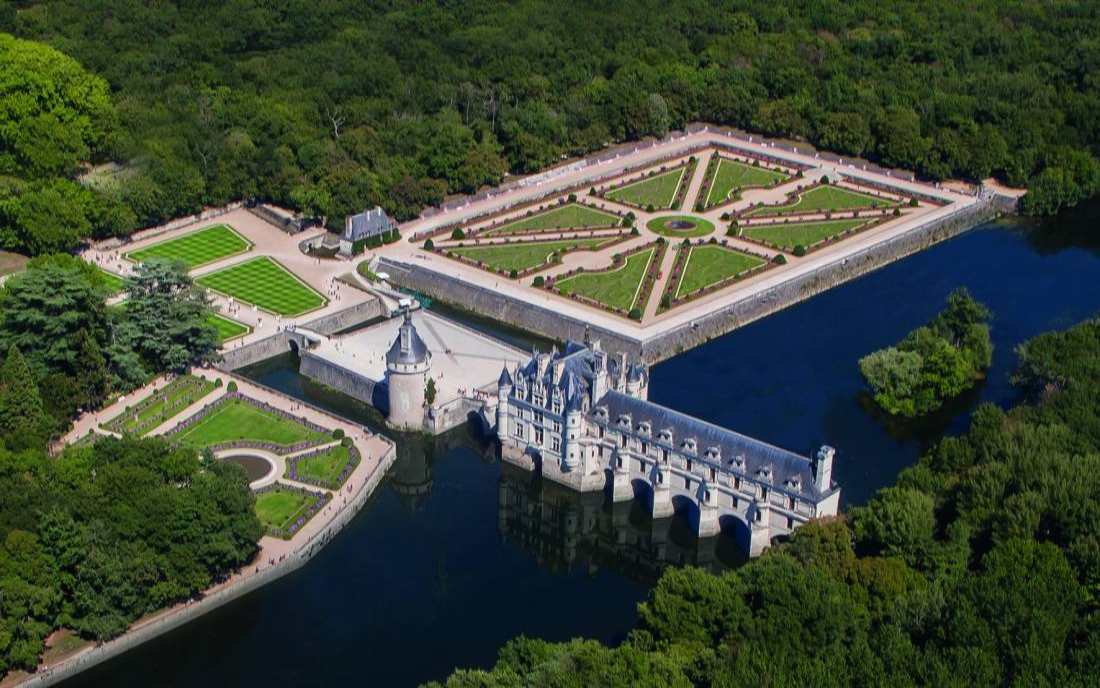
687	508
643	491
735	527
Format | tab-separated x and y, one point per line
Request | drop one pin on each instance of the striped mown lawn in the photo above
196	248
710	264
227	328
572	216
658	190
264	283
617	288
788	235
112	283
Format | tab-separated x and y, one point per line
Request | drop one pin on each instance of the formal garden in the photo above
196	248
823	198
284	509
160	406
658	190
569	216
327	467
241	421
525	257
228	329
706	265
264	282
680	226
618	288
113	284
789	236
726	177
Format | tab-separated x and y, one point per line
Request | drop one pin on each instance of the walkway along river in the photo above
437	572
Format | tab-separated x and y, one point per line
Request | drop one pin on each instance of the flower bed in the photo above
174	397
314	502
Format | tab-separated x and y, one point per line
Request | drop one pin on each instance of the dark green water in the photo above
456	554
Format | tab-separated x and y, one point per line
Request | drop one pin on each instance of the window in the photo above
664	455
622	440
714	474
538	417
689	464
645	447
519	432
790	523
555	445
538	436
790	503
736	483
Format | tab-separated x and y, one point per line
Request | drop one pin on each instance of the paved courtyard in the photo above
463	360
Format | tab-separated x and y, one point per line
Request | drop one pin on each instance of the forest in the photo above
979	567
116	114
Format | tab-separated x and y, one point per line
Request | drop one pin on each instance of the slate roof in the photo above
367	224
757	454
417	350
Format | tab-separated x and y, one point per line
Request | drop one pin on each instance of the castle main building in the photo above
582	418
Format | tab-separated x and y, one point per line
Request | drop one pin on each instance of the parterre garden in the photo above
161	406
823	198
731	175
658	191
570	216
526	256
284	509
710	264
617	287
234	420
789	236
265	283
196	248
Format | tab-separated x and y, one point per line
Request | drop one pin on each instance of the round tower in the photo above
408	363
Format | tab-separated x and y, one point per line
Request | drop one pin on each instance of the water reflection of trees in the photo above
566	530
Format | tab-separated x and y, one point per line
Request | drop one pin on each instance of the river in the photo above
455	554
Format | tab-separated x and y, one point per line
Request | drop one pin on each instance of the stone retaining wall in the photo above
349	317
182	614
350	382
550	323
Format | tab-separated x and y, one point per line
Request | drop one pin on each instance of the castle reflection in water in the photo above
562	529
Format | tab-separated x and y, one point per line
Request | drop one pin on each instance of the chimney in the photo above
823	468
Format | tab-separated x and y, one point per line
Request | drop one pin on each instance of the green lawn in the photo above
672	226
732	174
521	256
278	509
617	288
572	216
324	468
822	198
114	284
265	283
11	262
235	419
196	248
161	406
658	191
227	329
787	236
711	263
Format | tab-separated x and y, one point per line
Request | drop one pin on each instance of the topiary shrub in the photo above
913	203
539	281
572	198
897	212
513	274
458	234
338	434
231	387
799	250
724	217
429	245
649	208
635	314
825	179
780	259
634	231
346	442
217	383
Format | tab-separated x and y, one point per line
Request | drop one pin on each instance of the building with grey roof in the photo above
582	418
362	227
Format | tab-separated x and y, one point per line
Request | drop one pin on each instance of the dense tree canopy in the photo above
99	536
331	106
933	363
980	567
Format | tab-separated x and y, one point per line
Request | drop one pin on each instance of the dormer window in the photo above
644	429
688	446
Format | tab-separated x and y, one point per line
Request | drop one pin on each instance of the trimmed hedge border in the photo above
319	500
353	461
254	444
677	275
444	251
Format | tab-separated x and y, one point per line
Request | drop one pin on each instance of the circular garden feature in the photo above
257	467
680	226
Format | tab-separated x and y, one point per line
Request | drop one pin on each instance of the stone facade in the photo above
407	364
581	418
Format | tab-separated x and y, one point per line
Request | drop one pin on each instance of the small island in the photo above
934	363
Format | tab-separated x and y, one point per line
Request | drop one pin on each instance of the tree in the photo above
897	522
23	421
429	391
168	317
